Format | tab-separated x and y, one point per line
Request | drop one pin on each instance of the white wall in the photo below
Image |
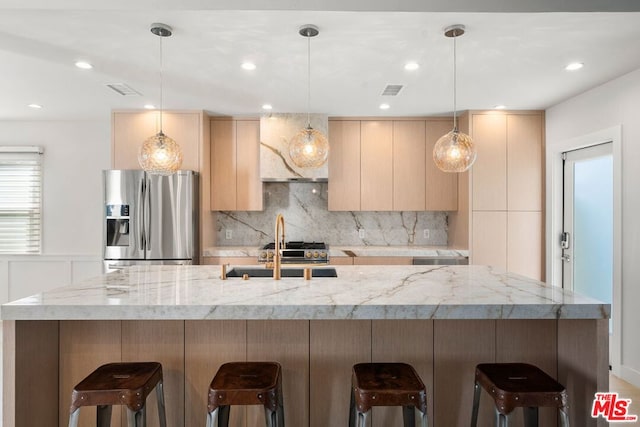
612	104
75	153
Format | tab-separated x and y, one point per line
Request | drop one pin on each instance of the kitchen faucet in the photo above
277	256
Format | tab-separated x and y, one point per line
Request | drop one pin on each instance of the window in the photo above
20	200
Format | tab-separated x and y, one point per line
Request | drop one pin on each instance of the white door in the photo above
587	240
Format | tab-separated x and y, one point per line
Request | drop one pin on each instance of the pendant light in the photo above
309	148
455	151
159	154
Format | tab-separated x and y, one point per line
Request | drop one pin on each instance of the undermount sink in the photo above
284	272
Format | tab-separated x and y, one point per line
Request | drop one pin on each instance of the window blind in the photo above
20	200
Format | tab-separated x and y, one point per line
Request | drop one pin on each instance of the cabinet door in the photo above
524	244
248	183
408	165
489	239
344	165
441	187
131	129
223	165
524	162
489	172
376	162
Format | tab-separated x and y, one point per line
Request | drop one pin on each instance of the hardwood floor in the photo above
626	391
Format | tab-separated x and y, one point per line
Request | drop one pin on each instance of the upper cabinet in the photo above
376	166
131	128
386	165
344	165
235	165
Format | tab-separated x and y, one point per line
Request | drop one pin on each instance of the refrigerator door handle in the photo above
141	214
147	216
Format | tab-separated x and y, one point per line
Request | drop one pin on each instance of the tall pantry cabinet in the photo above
503	225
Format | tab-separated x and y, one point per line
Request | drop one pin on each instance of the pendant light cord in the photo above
308	80
161	83
455	121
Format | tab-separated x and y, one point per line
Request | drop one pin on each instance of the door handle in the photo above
566	258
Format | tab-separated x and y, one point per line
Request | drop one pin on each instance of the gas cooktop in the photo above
296	252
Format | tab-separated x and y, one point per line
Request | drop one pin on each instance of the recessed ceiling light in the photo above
35	106
384	106
499	107
84	65
574	66
248	66
267	107
411	66
149	107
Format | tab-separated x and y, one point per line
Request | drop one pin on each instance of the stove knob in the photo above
307	254
263	255
316	254
269	254
323	254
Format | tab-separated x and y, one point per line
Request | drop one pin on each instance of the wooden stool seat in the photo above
126	384
386	384
246	383
518	385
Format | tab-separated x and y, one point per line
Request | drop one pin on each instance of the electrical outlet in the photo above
228	234
361	233
425	233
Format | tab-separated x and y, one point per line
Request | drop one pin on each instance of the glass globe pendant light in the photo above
159	154
309	148
455	151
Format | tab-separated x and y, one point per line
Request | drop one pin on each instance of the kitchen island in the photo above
443	320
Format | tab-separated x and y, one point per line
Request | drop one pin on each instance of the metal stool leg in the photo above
137	418
352	410
409	416
424	420
564	417
270	417
223	416
280	415
362	418
212	418
162	416
103	416
476	403
73	418
530	416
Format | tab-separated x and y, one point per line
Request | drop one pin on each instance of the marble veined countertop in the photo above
359	292
359	251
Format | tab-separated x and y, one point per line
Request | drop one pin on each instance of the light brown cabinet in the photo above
504	227
386	165
376	163
235	165
344	165
131	128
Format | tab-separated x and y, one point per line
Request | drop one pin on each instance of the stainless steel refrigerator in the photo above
149	218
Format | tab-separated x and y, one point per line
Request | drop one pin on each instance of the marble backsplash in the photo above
304	206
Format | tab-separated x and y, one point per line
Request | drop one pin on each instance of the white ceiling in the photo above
515	59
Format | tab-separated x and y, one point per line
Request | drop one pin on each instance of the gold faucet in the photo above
279	244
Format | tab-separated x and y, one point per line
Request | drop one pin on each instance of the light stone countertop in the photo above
337	251
359	292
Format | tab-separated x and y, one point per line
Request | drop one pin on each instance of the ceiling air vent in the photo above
123	89
391	90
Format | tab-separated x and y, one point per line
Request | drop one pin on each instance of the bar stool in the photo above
126	384
518	385
386	384
246	383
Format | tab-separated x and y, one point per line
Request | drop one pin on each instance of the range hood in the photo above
276	130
